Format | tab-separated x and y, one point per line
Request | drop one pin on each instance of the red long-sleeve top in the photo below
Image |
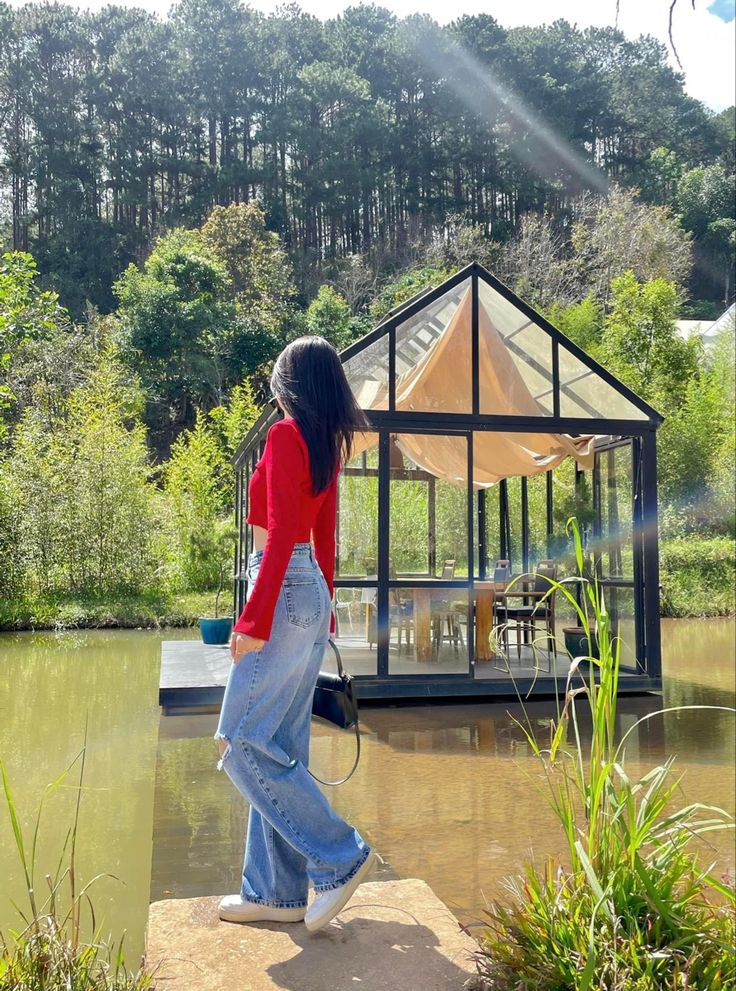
280	499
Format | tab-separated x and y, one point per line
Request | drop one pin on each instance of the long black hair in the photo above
309	383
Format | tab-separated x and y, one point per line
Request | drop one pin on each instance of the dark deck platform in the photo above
194	674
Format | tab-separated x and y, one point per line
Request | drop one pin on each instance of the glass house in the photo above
490	429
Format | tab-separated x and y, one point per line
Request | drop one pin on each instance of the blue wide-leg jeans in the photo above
293	834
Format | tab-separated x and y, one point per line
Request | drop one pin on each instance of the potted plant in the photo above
217	629
578	644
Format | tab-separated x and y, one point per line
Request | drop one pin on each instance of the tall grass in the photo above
633	909
48	953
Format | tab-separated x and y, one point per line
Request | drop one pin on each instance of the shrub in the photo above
698	577
81	480
633	910
49	954
197	485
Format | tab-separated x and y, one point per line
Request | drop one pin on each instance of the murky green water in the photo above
442	792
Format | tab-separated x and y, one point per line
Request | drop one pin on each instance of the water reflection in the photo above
444	791
49	684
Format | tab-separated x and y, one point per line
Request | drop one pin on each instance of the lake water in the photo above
444	792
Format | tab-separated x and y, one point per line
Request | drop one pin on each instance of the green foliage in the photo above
698	576
48	952
232	421
151	608
197	486
581	322
403	287
640	343
86	513
696	459
620	234
27	314
660	174
256	263
12	567
120	125
550	264
632	907
180	320
329	316
706	196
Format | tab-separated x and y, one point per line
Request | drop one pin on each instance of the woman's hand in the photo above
241	643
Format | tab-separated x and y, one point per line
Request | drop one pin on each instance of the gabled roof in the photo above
527	369
560	377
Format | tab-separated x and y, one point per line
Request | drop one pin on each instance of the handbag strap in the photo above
341	672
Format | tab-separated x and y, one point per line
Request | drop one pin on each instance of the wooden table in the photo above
487	593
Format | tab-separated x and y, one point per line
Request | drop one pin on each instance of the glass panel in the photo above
616	546
428	522
513	487
437	339
428	631
584	393
493	529
515	356
572	496
537	498
620	604
357	515
355	630
367	374
451	527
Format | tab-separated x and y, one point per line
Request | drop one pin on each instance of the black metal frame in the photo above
640	433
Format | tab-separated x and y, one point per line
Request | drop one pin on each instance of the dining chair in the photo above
447	611
539	609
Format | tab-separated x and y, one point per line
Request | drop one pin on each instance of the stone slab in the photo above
391	936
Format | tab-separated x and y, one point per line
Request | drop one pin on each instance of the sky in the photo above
704	36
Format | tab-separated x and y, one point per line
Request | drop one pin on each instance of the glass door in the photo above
429	621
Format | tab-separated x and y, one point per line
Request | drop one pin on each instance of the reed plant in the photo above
48	953
633	908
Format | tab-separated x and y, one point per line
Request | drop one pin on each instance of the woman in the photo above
277	646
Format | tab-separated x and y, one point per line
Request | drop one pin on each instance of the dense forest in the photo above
359	135
180	199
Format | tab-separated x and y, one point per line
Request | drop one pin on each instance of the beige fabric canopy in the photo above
441	381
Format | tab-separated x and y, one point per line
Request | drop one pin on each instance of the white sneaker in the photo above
233	908
327	904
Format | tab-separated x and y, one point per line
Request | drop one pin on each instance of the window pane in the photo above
537	498
355	630
357	515
367	374
584	393
428	521
616	545
620	605
515	356
428	631
434	340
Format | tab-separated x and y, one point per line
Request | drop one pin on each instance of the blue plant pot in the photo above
216	631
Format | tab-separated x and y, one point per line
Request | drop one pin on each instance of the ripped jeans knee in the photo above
225	746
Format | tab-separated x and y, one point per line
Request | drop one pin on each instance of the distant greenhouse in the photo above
489	430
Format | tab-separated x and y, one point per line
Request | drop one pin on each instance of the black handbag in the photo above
335	700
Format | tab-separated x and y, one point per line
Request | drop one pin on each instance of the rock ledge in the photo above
391	936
